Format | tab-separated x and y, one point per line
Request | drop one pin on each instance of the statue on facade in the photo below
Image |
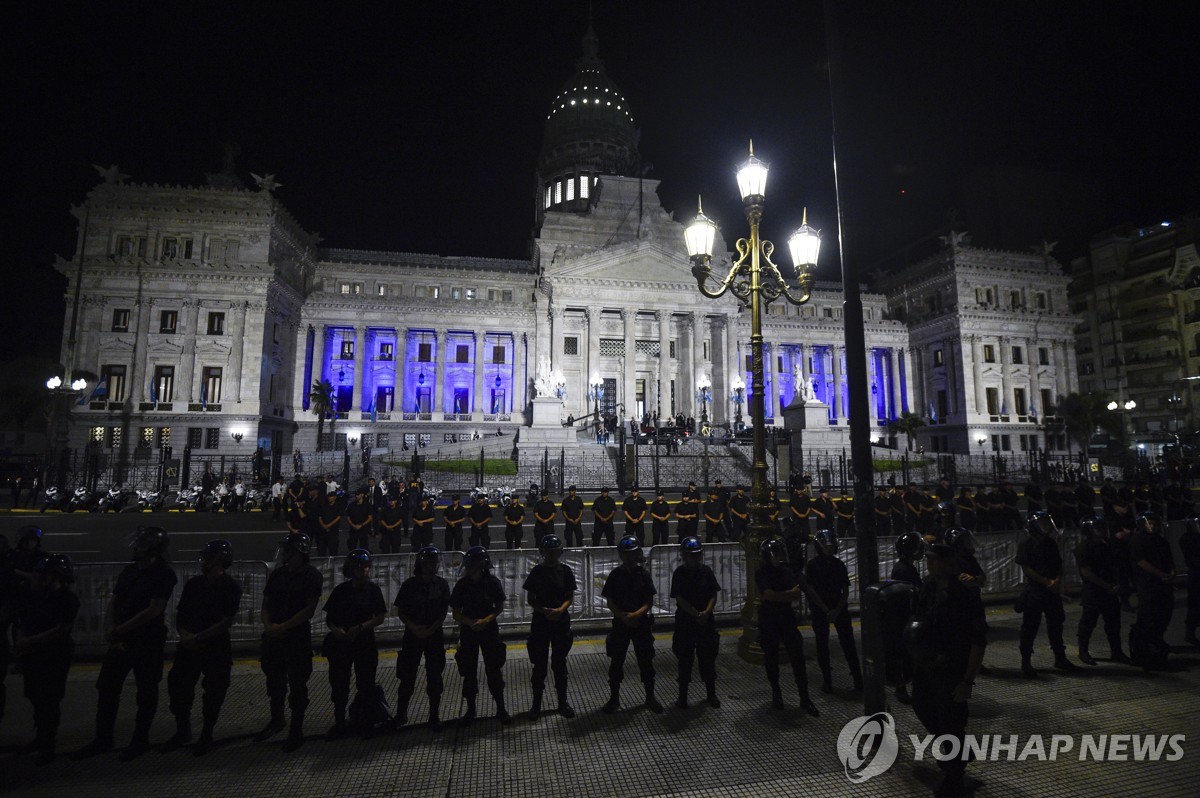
810	389
267	183
541	383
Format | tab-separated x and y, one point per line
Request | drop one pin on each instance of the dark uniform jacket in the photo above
551	585
206	602
696	586
423	603
287	592
349	605
135	590
478	599
630	590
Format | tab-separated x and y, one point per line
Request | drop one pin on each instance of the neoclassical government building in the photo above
207	312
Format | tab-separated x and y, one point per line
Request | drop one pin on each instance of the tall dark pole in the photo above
859	415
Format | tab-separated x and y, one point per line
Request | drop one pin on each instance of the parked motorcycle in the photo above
81	499
54	499
113	500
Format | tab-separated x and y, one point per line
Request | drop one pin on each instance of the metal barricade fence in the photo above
996	552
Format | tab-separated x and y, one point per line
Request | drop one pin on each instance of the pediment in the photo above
166	348
642	261
212	347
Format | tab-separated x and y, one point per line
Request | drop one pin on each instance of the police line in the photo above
996	553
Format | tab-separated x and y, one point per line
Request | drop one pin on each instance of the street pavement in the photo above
744	748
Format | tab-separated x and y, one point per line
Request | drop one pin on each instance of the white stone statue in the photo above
810	389
541	384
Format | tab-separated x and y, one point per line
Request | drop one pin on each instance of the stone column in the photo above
478	403
557	331
977	374
1058	360
836	404
663	404
1005	375
187	366
894	387
951	352
908	397
358	401
399	369
520	387
593	344
1070	377
732	361
629	316
139	387
236	330
1031	358
441	349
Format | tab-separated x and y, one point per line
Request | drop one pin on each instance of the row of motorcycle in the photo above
121	500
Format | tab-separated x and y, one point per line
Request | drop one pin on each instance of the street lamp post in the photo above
704	394
61	397
755	281
739	387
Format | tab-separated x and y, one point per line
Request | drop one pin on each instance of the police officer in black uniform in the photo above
544	513
1154	575
829	594
905	581
909	548
572	510
844	508
1040	559
352	611
946	641
330	525
823	510
206	609
550	588
479	517
694	588
514	520
136	636
1100	593
629	593
739	513
778	586
633	510
603	510
970	572
660	520
45	615
687	514
289	603
476	602
421	604
724	496
422	523
714	518
454	516
882	508
391	525
360	517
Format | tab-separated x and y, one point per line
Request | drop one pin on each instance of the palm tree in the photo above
320	399
1082	413
907	424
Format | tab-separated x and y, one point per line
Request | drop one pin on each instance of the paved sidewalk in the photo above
742	749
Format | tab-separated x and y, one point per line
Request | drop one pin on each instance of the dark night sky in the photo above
416	126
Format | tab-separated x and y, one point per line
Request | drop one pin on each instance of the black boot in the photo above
1027	667
776	696
338	730
1120	657
713	701
205	743
682	701
1085	657
564	706
535	709
401	716
274	725
182	736
295	737
614	701
856	676
469	715
501	711
652	702
807	705
826	683
435	719
45	755
1063	664
100	745
139	745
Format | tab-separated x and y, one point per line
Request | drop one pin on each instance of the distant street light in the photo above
739	388
704	394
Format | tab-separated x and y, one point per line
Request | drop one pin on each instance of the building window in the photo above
612	347
1018	357
435	292
120	320
381	440
347	349
506	296
164	383
97	435
211	384
146	438
462	353
216	323
1006	443
548	196
498	354
704	354
570	188
1043	356
570	345
168	321
943	406
123	247
456	293
1019	402
989	353
672	348
1042	304
385	351
938	358
583	186
164	437
1014	299
1047	402
113	379
424	353
114	437
471	293
993	401
558	192
827	312
170	248
212	437
195	437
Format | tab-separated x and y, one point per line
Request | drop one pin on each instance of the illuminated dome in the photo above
589	133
